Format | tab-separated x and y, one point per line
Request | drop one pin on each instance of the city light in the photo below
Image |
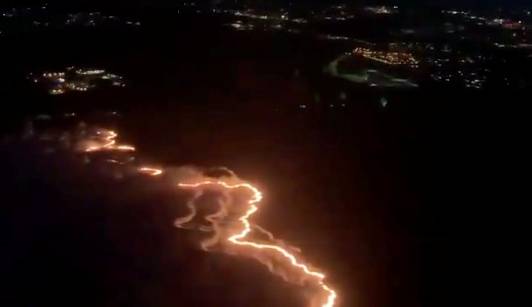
75	80
387	57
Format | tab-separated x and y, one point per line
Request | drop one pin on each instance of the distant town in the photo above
383	45
74	79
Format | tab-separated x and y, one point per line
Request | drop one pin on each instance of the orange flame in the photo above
238	238
150	171
109	142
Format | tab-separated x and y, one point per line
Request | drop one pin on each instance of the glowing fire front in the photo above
239	238
150	171
105	140
277	256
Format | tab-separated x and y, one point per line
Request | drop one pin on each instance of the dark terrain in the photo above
373	196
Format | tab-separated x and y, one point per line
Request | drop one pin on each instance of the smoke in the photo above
225	221
219	204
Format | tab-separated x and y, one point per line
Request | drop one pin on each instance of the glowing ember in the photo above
150	171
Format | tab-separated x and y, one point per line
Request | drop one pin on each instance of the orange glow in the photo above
150	171
239	238
108	142
125	148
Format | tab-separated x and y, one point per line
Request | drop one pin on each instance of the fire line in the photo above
238	238
107	142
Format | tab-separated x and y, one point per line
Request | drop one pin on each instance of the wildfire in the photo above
150	171
105	140
239	237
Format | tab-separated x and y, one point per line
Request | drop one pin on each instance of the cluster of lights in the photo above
241	26
480	20
371	77
475	79
250	14
95	18
90	19
467	70
78	80
53	75
249	26
77	86
471	79
23	11
299	20
88	72
57	91
281	16
390	58
382	10
339	18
